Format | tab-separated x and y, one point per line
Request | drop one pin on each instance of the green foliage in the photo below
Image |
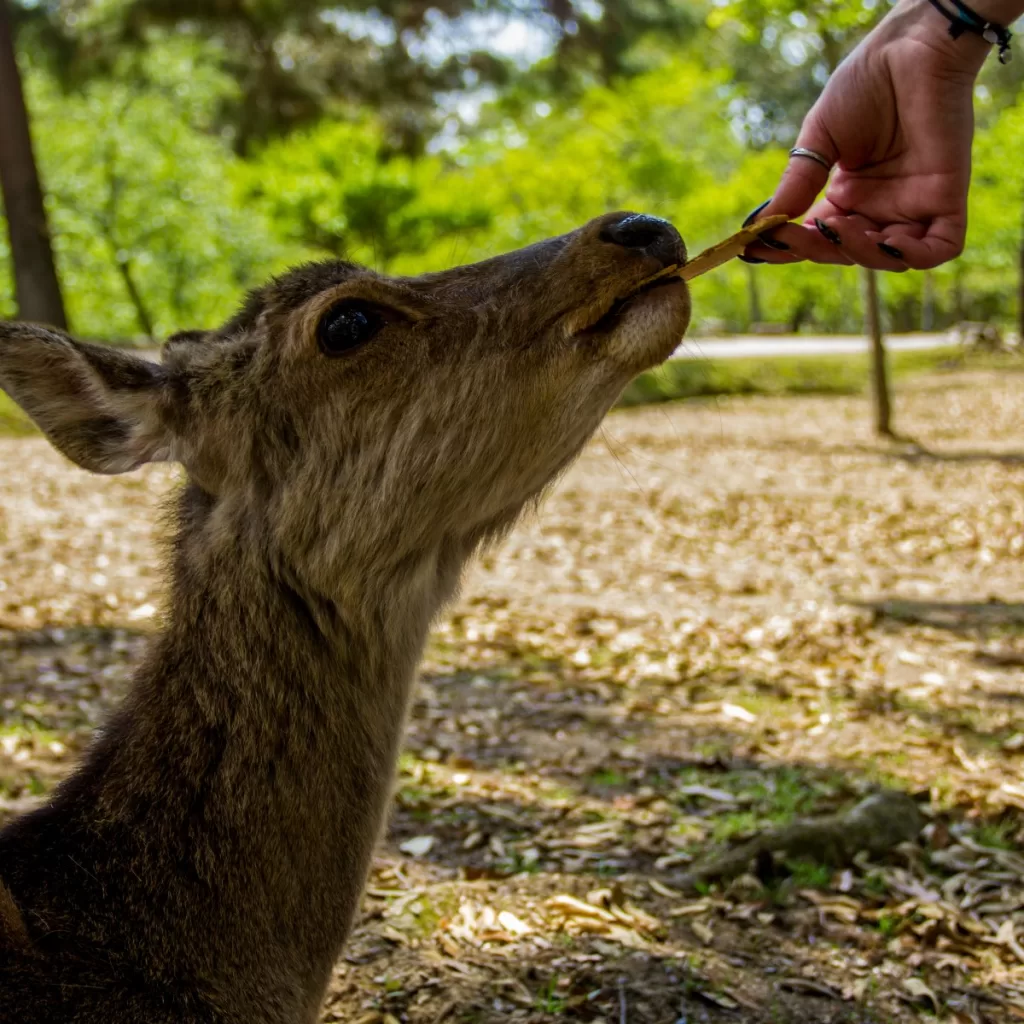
159	224
1000	835
149	230
333	189
298	60
809	875
782	52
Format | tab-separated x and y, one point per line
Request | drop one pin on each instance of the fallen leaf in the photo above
737	713
919	992
418	846
513	924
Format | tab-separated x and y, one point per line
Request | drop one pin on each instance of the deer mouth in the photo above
612	317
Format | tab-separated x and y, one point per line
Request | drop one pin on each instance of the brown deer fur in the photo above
205	862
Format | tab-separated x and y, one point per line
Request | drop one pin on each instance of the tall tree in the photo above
785	50
754	296
1020	287
37	290
928	301
879	365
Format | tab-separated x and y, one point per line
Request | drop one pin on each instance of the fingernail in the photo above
774	243
890	250
752	215
751	259
827	232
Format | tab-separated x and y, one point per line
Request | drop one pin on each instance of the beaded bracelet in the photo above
963	19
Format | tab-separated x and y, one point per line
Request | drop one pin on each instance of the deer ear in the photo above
101	407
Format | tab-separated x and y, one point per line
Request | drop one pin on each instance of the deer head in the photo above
356	419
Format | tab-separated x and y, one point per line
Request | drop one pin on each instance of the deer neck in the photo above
261	738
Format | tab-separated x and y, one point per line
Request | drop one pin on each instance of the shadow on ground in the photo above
958	616
529	792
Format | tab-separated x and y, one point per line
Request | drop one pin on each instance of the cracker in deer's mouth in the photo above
716	255
712	257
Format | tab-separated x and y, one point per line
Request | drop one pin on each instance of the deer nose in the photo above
648	235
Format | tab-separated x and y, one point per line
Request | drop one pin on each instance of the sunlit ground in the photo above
728	614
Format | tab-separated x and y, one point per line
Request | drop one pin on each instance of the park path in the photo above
753	346
747	346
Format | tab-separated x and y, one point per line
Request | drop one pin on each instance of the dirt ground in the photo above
729	614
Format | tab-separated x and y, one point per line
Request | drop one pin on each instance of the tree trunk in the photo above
36	288
1020	290
959	309
800	314
879	370
124	268
755	296
928	302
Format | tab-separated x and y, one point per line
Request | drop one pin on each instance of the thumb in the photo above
804	178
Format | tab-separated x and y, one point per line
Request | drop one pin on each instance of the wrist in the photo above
919	21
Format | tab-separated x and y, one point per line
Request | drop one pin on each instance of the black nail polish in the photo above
774	243
890	250
827	232
753	215
751	259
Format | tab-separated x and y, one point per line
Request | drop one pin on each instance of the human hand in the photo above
897	118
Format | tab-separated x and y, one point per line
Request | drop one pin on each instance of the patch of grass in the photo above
768	705
30	730
888	924
423	916
607	778
997	834
548	1000
558	793
808	875
786	375
738	823
876	885
786	795
688	829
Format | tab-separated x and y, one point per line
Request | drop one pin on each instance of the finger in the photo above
761	253
860	239
808	242
771	247
793	242
909	230
805	242
943	242
800	185
804	178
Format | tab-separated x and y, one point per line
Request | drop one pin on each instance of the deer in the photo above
349	440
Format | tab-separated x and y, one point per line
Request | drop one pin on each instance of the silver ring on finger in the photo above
811	154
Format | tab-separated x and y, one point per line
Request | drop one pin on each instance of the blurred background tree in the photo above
188	150
35	279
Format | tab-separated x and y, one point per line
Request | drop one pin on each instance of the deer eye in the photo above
348	325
